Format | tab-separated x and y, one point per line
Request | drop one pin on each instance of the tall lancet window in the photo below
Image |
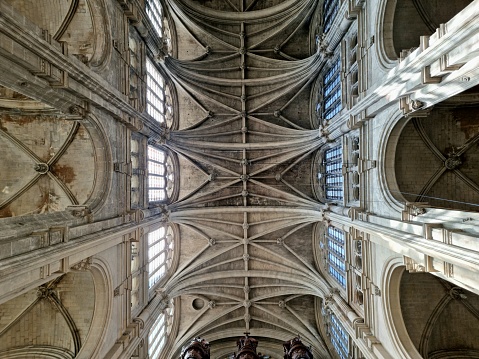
160	253
336	259
331	98
330	9
155	14
339	337
159	332
333	175
158	103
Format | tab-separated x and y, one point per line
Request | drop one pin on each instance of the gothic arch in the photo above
391	280
170	29
103	42
173	262
401	23
430	307
439	153
82	24
103	164
61	328
386	158
103	303
53	163
384	29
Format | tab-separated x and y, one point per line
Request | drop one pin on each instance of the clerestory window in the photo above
159	332
330	9
336	255
331	100
155	14
339	337
333	175
160	253
158	103
160	175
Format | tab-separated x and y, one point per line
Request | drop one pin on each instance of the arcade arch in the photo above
52	175
403	22
436	156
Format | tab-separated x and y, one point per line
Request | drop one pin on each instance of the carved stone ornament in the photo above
41	168
247	348
75	110
295	349
83	265
79	210
453	161
197	349
211	304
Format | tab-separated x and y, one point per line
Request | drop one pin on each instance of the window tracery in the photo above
160	23
159	104
159	332
160	253
330	175
339	337
331	97
333	247
155	14
160	175
330	9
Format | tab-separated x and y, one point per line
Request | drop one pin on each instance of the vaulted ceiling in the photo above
246	139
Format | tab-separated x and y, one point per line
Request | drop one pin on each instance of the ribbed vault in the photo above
245	145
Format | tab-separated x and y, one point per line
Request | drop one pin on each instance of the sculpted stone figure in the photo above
197	349
247	348
295	349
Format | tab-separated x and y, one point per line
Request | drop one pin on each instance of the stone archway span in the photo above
386	158
102	33
102	280
38	352
172	31
387	57
391	303
103	164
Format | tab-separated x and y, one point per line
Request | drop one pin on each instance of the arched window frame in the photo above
154	10
330	10
160	330
328	166
162	169
160	254
330	101
334	247
158	96
162	25
338	335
